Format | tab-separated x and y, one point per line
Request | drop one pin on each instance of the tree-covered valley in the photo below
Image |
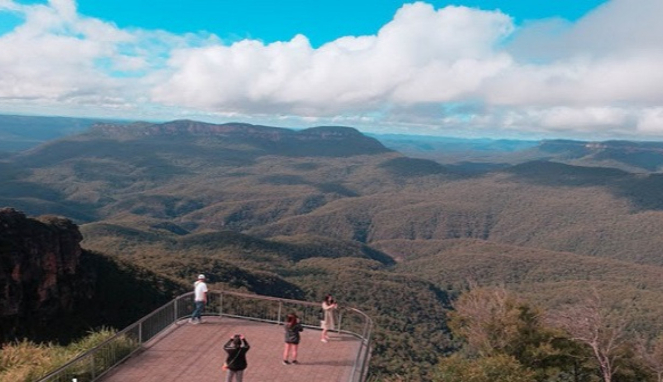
470	269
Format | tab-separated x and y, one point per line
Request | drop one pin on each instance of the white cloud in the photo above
651	121
54	54
619	27
587	118
8	5
453	68
422	55
580	81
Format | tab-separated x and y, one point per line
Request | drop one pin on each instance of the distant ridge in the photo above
626	155
486	155
20	132
461	155
561	173
189	127
332	141
186	127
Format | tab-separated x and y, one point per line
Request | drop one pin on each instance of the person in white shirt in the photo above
200	299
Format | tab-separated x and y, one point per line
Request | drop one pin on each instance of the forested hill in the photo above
301	213
189	177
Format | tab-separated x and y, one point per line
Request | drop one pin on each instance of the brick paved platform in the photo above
195	353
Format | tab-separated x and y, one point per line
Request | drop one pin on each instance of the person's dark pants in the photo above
238	375
198	311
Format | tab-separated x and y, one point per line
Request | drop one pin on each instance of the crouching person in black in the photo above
236	347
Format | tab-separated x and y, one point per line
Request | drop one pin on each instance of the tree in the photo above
602	329
650	352
495	368
485	318
493	322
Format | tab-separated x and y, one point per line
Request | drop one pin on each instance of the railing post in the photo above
340	320
175	311
278	318
221	304
113	356
94	375
366	358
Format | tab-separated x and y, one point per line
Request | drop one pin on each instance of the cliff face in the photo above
41	277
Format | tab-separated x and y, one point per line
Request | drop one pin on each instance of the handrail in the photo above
96	362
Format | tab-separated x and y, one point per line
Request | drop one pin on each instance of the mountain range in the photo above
300	213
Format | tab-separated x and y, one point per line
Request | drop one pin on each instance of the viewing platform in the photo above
195	353
165	347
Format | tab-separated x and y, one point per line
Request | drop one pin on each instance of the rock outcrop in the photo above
41	277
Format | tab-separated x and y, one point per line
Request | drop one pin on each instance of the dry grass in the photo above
26	361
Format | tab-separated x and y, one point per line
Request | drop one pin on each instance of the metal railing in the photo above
95	363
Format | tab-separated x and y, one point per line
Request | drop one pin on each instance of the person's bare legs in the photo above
286	350
294	352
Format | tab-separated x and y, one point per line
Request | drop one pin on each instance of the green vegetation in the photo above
497	368
124	293
505	338
409	313
26	361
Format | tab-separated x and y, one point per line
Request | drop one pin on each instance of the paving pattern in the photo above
190	352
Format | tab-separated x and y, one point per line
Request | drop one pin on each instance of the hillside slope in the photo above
190	177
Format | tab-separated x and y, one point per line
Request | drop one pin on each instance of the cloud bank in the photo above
451	71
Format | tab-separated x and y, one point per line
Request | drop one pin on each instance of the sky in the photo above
579	69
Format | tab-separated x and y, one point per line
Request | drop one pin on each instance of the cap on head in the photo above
201	277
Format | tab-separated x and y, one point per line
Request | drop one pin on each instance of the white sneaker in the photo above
324	340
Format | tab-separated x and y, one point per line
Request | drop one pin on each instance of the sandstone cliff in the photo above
51	289
41	277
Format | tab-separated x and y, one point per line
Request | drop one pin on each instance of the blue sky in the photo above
587	69
320	21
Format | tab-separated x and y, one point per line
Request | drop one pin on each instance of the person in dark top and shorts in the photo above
235	364
292	329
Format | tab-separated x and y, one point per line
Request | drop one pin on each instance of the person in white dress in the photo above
328	322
